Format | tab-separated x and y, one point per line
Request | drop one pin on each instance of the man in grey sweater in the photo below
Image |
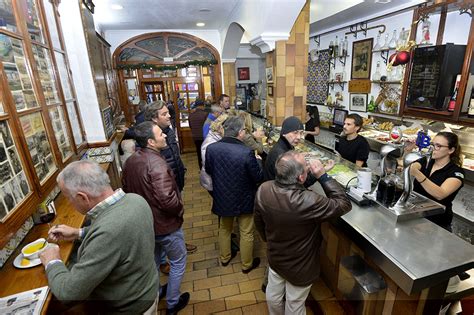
115	268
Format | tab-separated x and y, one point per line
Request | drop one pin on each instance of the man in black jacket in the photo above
158	113
288	217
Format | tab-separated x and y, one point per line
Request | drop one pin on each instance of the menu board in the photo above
60	131
19	80
46	74
38	145
14	186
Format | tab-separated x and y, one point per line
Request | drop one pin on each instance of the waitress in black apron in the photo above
443	177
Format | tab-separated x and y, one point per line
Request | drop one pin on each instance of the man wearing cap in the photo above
292	132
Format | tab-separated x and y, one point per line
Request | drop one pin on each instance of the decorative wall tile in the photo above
318	76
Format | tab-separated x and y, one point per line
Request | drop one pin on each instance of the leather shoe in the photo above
255	264
191	248
165	268
163	291
182	302
232	255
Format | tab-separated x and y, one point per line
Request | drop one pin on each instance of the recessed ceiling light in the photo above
200	24
205	10
383	1
116	7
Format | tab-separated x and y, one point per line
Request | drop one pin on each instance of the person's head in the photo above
352	124
224	101
311	112
247	121
128	146
291	168
292	129
216	110
216	125
142	105
85	184
447	144
234	127
199	103
158	113
149	135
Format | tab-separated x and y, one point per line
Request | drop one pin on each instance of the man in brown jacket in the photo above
147	174
288	217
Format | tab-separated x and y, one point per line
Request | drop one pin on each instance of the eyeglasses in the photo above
438	146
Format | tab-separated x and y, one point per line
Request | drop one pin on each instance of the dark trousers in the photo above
198	144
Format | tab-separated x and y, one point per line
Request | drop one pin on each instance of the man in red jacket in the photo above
147	174
288	217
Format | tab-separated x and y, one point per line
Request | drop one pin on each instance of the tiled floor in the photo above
215	289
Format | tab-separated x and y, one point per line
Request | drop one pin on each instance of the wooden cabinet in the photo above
40	126
445	13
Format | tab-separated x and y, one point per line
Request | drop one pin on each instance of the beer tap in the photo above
385	150
409	159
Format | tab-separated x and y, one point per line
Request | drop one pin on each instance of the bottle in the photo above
470	112
331	49
377	73
385	44
344	47
341	48
393	42
371	106
401	39
336	48
377	43
344	75
452	101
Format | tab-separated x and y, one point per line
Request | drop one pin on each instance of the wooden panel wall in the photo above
229	80
290	67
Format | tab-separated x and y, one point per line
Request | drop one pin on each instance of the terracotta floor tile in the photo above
224	291
260	309
207	283
209	307
240	300
234	278
199	296
195	275
248	286
219	271
236	311
199	265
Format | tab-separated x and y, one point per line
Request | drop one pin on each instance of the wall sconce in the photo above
89	5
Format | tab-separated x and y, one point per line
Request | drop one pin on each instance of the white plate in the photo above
32	263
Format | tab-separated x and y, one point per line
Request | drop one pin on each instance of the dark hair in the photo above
143	132
232	126
312	111
221	98
453	142
151	111
288	169
357	120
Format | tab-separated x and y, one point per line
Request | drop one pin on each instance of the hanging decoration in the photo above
203	63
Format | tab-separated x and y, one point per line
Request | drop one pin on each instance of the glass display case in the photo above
58	120
46	74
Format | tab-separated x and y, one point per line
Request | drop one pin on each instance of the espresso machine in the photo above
394	194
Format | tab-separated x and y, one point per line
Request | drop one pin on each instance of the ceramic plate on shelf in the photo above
23	263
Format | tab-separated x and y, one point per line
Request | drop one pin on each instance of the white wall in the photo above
117	37
456	31
81	70
254	66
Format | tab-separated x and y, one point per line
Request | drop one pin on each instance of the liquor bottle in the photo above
470	112
452	101
336	48
344	47
377	73
393	41
401	38
371	106
341	48
331	49
377	43
385	45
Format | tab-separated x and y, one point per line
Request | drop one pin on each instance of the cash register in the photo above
338	120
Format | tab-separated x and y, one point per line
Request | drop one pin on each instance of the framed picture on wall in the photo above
243	73
361	59
270	90
269	74
358	102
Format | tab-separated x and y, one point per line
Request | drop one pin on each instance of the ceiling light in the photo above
205	10
383	1
116	7
200	24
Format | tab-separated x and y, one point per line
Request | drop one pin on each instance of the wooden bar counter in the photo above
13	280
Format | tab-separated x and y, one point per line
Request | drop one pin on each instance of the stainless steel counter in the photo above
415	254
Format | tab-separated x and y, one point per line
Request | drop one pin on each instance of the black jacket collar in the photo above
231	140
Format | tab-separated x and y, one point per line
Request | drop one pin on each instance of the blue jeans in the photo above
174	247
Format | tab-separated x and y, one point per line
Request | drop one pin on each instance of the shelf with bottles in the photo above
338	50
334	82
389	45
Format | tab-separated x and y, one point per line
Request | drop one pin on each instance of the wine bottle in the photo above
331	48
393	42
452	101
336	48
344	47
470	112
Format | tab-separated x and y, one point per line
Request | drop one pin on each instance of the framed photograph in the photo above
358	102
269	74
270	90
361	59
243	73
339	77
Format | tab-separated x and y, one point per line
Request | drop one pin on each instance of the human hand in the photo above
329	165
63	232
258	157
409	146
317	168
51	252
258	134
415	169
